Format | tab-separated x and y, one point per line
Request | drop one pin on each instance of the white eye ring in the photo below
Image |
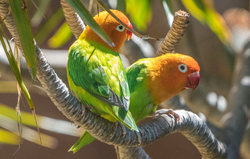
182	68
120	28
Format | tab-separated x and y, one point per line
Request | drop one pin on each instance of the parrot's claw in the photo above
123	130
116	124
169	112
139	137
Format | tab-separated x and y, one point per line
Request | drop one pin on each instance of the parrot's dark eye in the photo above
182	68
120	28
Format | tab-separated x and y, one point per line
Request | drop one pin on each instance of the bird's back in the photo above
141	102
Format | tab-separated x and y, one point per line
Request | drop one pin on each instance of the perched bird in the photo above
95	71
154	80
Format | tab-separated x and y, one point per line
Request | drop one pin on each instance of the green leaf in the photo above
204	11
140	12
168	10
48	28
88	19
16	71
22	21
62	36
7	137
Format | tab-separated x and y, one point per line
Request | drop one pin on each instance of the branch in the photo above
177	30
190	124
73	19
131	152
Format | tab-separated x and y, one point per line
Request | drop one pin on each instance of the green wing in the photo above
92	77
136	73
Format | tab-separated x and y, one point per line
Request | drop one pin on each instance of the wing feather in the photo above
93	78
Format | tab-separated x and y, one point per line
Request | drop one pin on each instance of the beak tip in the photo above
193	80
129	33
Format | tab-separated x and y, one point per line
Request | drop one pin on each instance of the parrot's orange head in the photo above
117	33
173	73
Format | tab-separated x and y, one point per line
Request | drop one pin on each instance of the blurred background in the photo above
214	48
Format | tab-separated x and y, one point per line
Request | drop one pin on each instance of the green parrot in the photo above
95	72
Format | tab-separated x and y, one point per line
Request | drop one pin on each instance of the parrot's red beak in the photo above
193	80
129	33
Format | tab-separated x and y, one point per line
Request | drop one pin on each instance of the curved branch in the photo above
73	19
177	30
190	124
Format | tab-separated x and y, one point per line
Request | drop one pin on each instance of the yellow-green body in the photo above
90	66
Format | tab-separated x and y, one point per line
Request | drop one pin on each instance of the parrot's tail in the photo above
85	139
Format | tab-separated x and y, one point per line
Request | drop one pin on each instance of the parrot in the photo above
95	73
154	80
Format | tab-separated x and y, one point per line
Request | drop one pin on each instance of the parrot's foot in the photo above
123	128
139	137
169	112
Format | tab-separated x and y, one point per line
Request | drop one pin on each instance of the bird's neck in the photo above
160	87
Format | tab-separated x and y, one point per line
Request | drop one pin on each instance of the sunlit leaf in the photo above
204	11
140	12
22	21
7	137
88	19
49	26
168	10
27	118
62	36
